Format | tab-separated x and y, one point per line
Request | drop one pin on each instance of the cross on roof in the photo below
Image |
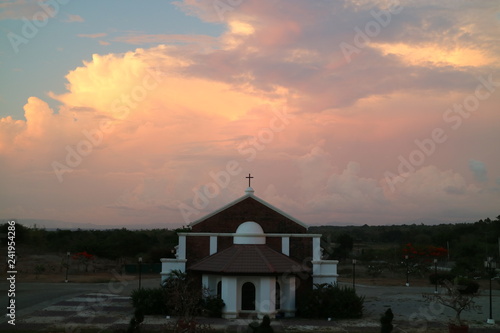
249	179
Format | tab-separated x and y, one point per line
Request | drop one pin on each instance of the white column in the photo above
230	297
181	251
266	301
205	281
288	296
213	244
285	245
316	249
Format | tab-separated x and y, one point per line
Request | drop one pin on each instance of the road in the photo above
409	307
33	296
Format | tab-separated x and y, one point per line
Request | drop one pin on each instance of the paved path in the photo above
70	307
412	311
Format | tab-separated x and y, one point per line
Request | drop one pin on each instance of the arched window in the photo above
278	296
219	289
248	296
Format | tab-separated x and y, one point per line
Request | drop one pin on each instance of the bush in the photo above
212	306
440	278
330	300
466	286
150	301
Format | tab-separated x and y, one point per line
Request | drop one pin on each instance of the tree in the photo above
345	245
455	300
420	257
184	297
84	258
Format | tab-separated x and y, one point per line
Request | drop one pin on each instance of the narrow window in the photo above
278	296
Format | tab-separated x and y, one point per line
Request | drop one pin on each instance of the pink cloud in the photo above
139	133
96	35
74	18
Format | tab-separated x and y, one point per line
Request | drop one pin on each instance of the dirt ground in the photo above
52	268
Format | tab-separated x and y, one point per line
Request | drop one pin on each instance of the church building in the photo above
255	257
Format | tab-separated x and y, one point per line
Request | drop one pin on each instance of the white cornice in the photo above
232	234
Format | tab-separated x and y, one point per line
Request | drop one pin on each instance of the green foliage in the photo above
150	301
212	306
440	277
151	244
466	266
21	232
39	269
466	286
386	321
330	300
136	321
345	243
375	270
178	296
468	244
184	296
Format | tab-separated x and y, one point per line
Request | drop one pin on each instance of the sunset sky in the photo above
131	113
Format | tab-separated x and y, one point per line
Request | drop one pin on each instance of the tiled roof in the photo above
249	259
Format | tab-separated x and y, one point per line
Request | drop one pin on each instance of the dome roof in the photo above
249	228
249	233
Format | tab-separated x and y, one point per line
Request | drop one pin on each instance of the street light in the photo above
407	271
140	271
67	266
436	275
354	273
490	265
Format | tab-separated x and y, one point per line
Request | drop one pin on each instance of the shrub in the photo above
150	301
386	321
441	277
466	286
330	300
212	306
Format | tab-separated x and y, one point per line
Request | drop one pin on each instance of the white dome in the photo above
249	228
249	233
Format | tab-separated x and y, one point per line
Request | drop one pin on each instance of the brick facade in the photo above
248	209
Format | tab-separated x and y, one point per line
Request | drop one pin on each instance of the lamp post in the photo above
407	271
354	273
490	266
140	271
67	266
436	275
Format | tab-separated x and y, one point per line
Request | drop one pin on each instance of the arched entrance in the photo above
248	296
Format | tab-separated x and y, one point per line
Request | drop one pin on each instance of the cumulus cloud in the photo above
479	171
140	133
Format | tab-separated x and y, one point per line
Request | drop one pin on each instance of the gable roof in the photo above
249	194
249	259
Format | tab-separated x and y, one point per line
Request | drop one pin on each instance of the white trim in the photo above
248	195
232	234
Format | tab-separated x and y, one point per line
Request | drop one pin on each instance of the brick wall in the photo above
249	209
